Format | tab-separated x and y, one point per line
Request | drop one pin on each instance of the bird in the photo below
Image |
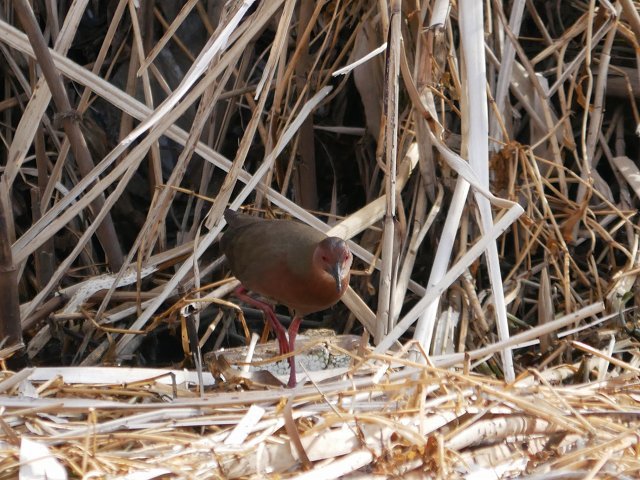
289	263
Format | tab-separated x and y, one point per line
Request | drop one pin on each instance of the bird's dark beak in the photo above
336	273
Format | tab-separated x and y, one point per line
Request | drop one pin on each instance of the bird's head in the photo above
333	255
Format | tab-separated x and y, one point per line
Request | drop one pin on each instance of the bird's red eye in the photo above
324	258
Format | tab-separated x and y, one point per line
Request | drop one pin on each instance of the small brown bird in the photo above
289	263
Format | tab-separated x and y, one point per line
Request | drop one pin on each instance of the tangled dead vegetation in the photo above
478	156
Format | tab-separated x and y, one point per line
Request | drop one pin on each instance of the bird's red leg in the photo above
293	332
277	327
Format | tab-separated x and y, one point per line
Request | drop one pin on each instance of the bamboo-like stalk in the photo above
105	231
10	328
505	72
479	158
305	172
155	167
435	290
388	272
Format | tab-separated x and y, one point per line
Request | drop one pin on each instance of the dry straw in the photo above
480	157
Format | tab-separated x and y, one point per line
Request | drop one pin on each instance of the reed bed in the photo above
480	157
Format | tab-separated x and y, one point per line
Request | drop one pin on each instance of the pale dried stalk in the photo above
388	272
505	72
155	173
456	270
168	34
105	230
84	101
36	107
472	46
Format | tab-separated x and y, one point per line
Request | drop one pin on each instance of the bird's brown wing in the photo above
274	259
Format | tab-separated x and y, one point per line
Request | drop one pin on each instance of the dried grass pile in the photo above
411	423
478	156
